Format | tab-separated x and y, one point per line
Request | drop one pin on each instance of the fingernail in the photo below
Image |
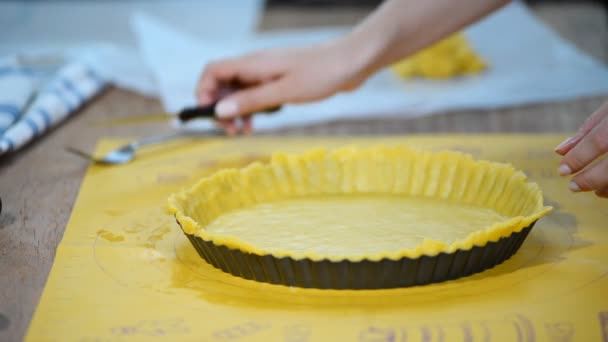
563	143
574	187
564	170
226	109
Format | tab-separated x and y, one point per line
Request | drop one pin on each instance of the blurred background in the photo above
59	23
127	58
584	22
538	51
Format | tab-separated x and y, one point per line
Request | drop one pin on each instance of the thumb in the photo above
251	100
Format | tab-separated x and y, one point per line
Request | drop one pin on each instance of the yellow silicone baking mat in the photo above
125	272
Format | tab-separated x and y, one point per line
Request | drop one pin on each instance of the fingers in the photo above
586	151
585	128
213	85
233	127
217	75
254	99
228	125
593	145
220	79
209	84
595	178
247	127
602	192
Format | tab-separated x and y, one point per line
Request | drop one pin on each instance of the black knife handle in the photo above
188	114
208	112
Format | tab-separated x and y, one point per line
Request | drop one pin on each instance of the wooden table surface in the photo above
39	184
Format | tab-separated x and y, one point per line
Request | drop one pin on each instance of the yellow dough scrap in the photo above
451	57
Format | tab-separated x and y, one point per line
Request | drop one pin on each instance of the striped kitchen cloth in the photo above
31	104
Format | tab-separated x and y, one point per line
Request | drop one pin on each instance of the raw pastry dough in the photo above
346	226
450	57
352	203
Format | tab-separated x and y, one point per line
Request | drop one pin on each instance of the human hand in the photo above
272	78
585	155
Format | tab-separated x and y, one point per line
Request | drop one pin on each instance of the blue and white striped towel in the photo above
27	110
15	91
